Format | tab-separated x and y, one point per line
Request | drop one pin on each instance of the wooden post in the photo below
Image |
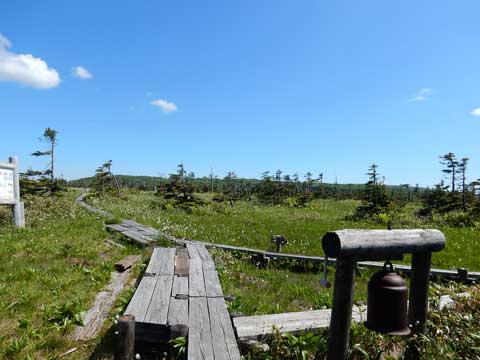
18	209
419	283
339	332
125	344
417	310
177	331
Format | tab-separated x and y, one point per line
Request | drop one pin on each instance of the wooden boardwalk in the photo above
181	287
258	326
144	235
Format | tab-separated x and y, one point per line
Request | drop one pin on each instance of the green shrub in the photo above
113	220
455	219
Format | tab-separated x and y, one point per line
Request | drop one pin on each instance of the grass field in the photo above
49	274
53	268
278	289
251	225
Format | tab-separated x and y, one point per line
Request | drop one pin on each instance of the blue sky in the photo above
249	86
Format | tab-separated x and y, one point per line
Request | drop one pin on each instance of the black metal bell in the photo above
387	303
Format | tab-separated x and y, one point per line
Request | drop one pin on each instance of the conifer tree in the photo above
462	168
375	199
451	168
43	181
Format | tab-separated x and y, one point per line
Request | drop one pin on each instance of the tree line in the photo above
453	194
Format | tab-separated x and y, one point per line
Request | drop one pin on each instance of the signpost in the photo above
10	190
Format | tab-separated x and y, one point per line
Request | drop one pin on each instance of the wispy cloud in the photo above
421	95
25	69
82	73
166	106
475	112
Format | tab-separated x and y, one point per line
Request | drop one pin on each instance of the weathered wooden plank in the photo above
199	337
127	262
141	299
375	243
136	236
212	283
182	262
162	261
293	322
94	318
196	281
147	230
224	344
180	285
208	265
203	252
116	227
178	312
193	251
114	243
158	308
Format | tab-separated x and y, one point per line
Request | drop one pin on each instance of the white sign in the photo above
6	185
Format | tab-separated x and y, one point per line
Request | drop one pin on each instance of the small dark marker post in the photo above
462	274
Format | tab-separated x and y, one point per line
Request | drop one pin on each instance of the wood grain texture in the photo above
339	332
125	341
419	284
180	285
203	253
158	308
378	243
178	312
193	251
212	284
293	322
182	262
127	262
200	345
95	317
116	227
141	299
162	261
137	237
224	341
196	281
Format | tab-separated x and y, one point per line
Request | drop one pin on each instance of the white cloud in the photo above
81	73
25	69
165	105
422	94
475	112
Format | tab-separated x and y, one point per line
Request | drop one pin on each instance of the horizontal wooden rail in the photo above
381	243
317	259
